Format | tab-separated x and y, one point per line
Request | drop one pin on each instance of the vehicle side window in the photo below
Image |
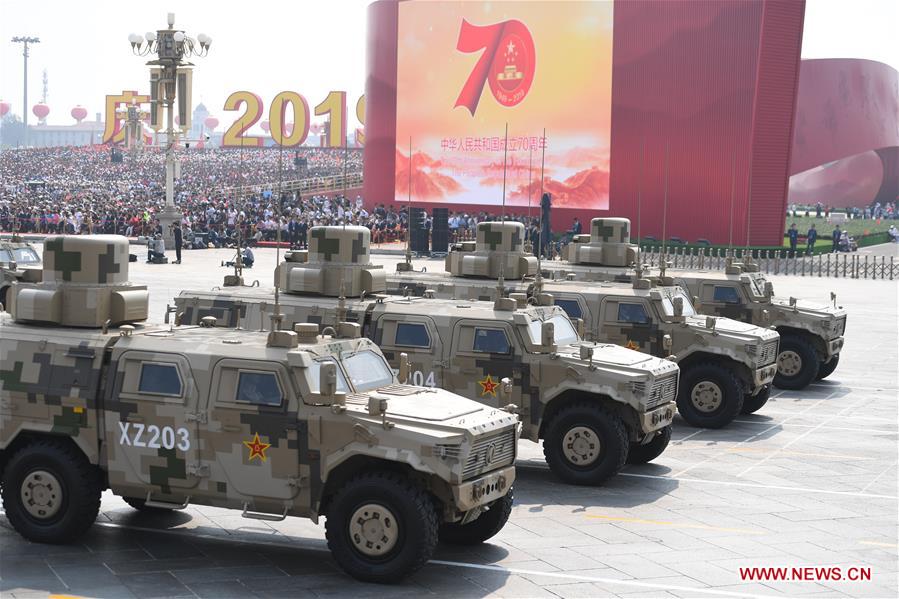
259	388
571	307
412	334
492	341
632	313
726	295
159	379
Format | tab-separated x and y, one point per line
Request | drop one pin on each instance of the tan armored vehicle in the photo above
276	424
811	334
594	406
726	366
19	261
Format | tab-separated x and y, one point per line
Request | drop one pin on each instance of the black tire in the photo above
754	403
825	369
140	504
64	486
643	454
808	367
608	432
486	525
729	391
415	520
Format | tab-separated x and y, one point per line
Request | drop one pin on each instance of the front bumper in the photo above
832	348
658	418
484	489
763	376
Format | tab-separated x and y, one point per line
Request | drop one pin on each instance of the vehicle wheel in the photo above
797	363
754	403
51	493
585	444
381	527
140	504
642	454
709	396
825	369
485	526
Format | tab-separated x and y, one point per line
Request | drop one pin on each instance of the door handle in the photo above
231	428
470	371
135	418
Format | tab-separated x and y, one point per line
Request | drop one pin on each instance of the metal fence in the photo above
778	262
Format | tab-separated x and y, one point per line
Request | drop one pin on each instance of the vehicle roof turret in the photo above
608	244
337	263
498	251
84	284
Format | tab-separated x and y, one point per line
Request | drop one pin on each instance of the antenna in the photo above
665	213
505	154
749	203
345	158
640	187
538	280
733	191
530	172
409	209
277	316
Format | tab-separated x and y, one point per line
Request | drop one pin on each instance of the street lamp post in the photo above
171	46
25	41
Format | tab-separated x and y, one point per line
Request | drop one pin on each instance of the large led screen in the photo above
467	69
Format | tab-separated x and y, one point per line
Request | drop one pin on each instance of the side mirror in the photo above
586	352
766	316
792	302
769	289
833	298
678	306
405	368
667	343
710	323
548	334
579	326
505	387
695	300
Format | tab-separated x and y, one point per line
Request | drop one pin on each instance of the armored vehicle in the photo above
275	424
726	366
596	406
19	261
811	334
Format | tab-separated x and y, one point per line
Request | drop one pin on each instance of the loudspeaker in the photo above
418	234
440	231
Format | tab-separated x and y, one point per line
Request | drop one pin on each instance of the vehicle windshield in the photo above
757	286
23	255
313	377
563	331
367	371
667	302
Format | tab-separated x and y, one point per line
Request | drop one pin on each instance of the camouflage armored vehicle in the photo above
277	424
726	366
811	334
596	406
19	261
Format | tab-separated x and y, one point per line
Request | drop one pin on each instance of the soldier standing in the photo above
793	233
836	239
178	241
812	237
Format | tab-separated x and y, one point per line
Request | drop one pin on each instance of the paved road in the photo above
811	480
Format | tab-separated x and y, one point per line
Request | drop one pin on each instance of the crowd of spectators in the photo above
226	196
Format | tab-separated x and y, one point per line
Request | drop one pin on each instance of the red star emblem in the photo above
257	448
488	386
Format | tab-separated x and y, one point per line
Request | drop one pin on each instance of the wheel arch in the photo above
742	371
24	438
571	396
816	341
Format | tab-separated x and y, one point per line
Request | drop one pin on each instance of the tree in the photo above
12	131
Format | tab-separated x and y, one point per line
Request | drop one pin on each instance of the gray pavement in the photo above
810	480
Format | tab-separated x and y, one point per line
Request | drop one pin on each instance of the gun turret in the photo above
85	284
609	244
337	263
497	252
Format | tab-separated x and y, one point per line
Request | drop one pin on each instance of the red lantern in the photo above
265	126
316	128
211	123
79	113
40	110
4	108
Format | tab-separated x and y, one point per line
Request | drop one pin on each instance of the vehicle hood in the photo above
610	357
731	328
808	308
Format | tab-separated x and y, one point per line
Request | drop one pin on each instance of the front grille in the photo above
499	447
838	327
768	353
663	390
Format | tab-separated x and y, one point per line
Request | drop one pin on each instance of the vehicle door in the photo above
483	353
628	321
575	305
250	439
723	298
151	422
417	336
